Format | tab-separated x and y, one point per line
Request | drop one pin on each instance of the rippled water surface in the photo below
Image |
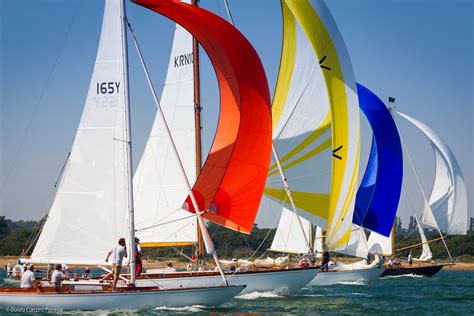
447	293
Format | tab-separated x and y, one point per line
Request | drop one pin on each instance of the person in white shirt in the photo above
410	258
119	252
57	276
28	279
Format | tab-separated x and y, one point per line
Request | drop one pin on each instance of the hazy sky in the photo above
420	52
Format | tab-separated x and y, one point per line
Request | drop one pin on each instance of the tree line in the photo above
15	236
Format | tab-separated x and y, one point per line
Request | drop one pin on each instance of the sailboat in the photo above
379	192
376	201
444	210
316	92
162	220
92	187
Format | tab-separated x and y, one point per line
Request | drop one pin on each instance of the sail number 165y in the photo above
108	87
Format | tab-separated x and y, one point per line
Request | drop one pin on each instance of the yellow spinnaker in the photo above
314	20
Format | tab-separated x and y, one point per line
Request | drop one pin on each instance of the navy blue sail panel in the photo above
379	193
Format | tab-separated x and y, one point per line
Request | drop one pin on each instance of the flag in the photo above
390	99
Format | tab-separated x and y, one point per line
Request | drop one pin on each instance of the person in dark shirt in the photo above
325	262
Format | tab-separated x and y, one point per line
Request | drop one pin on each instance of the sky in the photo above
420	52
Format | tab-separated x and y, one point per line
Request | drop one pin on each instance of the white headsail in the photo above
425	247
89	211
379	244
357	245
448	199
159	188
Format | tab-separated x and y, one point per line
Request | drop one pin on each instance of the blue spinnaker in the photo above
379	193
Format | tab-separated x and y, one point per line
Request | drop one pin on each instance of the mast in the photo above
197	122
128	141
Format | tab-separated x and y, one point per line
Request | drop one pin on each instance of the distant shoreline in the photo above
152	264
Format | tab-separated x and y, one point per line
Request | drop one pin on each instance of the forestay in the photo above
448	199
89	211
315	91
159	188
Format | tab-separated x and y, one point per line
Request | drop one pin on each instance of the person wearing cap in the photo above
119	252
28	279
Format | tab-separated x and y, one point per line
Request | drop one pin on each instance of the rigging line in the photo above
36	108
62	170
229	13
169	222
268	233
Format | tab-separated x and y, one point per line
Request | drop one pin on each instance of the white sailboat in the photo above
93	187
444	210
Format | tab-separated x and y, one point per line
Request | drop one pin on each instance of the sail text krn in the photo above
183	60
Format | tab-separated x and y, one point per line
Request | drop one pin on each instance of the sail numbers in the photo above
108	87
107	94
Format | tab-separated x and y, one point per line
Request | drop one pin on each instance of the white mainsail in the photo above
448	199
289	237
316	94
89	211
159	189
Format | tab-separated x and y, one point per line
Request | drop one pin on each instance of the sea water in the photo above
447	293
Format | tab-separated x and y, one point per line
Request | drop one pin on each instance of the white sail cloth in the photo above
289	237
448	199
160	189
357	245
425	247
89	211
379	244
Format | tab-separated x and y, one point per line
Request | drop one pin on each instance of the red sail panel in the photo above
232	180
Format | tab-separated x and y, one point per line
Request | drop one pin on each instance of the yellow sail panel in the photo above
287	65
314	203
301	126
322	33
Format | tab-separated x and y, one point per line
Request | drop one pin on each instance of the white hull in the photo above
366	276
120	300
286	282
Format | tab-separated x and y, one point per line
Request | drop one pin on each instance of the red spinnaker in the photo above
233	177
